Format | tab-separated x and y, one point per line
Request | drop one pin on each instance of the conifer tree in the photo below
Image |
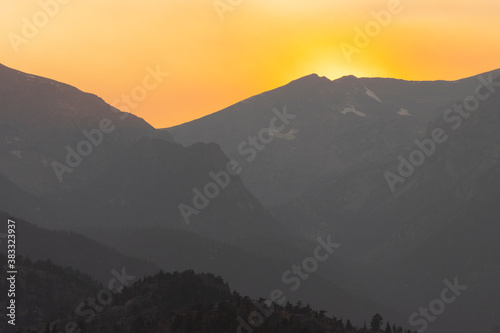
376	323
348	325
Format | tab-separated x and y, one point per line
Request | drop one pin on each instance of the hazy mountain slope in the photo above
25	205
467	249
72	249
40	117
458	192
437	225
148	180
440	224
254	273
137	176
451	179
338	125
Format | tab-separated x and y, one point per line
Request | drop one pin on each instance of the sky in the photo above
173	61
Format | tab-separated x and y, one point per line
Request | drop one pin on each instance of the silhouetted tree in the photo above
348	325
376	323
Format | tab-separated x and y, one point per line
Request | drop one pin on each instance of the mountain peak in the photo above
311	78
309	81
348	77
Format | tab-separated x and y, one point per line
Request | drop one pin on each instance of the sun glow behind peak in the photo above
104	47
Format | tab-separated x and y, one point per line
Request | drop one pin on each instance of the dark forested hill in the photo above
166	302
44	292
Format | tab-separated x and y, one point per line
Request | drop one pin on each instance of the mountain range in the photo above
249	191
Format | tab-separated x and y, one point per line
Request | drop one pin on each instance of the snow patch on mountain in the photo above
11	140
17	153
352	109
290	135
28	77
404	112
372	95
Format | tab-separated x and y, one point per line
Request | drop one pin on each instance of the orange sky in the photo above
105	47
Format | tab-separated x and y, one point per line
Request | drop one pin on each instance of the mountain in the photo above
68	248
145	183
456	193
342	162
133	184
173	250
437	222
333	126
396	171
22	203
40	119
361	198
90	164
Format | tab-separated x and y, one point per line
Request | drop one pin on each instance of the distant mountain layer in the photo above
334	126
68	248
